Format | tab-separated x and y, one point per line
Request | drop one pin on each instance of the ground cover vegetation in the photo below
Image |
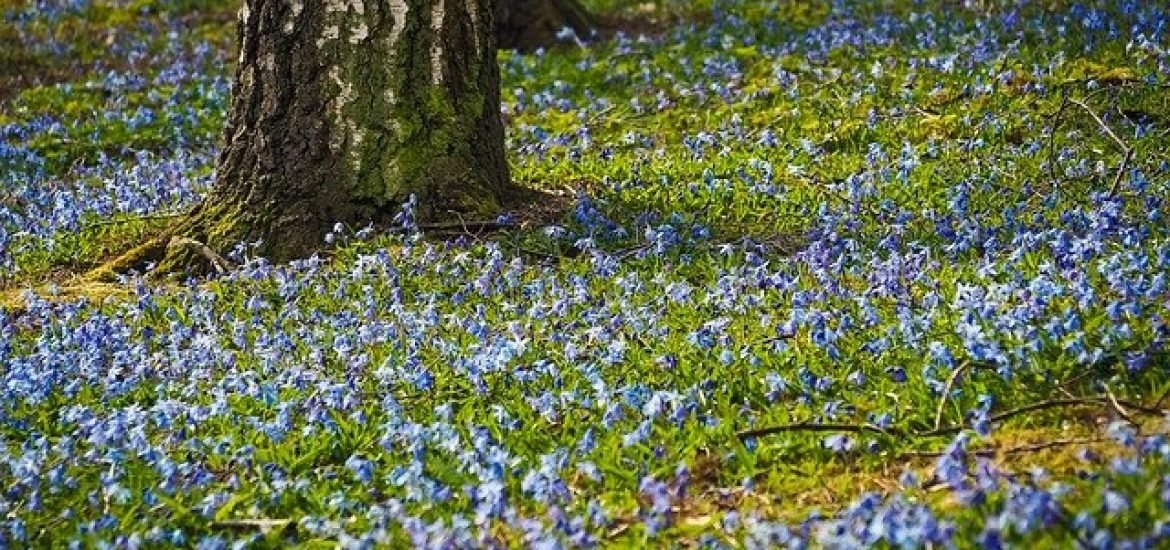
834	274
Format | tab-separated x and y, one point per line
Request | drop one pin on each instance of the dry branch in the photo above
1126	150
952	429
262	525
813	427
1019	449
942	403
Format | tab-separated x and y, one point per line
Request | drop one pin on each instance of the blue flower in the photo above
839	443
1114	502
362	469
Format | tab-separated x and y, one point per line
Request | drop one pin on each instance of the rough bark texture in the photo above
530	24
342	109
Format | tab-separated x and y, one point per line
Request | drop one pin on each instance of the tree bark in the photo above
530	24
341	110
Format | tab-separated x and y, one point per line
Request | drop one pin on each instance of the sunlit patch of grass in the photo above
71	254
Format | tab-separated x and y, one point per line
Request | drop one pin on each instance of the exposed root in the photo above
136	259
197	244
219	263
172	251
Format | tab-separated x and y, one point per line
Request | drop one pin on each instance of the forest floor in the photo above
833	274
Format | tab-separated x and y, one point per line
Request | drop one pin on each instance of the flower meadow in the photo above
835	274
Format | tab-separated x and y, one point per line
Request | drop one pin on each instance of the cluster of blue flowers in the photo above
463	394
184	91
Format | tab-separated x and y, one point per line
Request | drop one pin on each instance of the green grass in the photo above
825	114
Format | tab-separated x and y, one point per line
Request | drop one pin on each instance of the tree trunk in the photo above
341	110
530	24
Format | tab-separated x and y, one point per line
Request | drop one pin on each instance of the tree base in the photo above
200	244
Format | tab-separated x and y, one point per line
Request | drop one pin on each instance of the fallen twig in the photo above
947	430
263	525
774	339
1162	399
942	403
1019	449
1053	161
1117	406
1033	407
813	427
467	226
1063	386
1151	411
1126	150
618	531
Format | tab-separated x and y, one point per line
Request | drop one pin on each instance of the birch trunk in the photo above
341	109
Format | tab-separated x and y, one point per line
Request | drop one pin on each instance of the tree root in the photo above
157	249
197	244
173	251
219	263
135	259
